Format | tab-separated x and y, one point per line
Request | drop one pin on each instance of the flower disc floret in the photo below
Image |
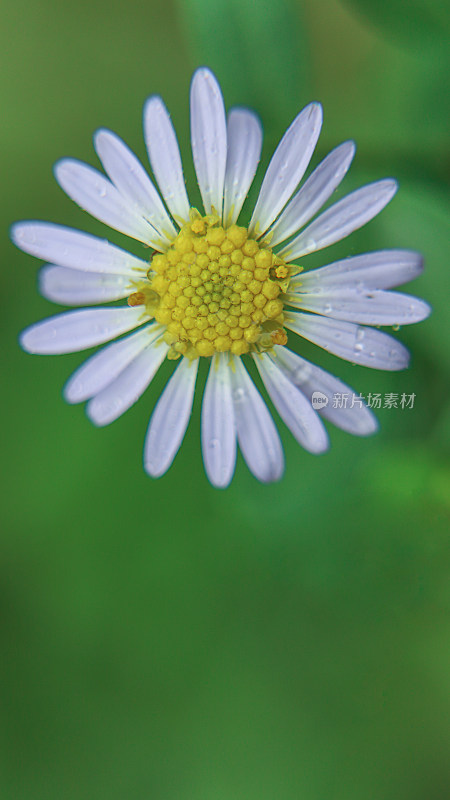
215	290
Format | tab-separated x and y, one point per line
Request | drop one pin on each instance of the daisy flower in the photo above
208	287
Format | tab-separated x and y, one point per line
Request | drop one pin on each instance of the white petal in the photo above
69	248
102	368
209	138
128	387
244	150
93	192
74	288
314	193
287	167
257	434
170	419
341	219
132	181
382	269
358	420
78	330
352	342
218	425
165	160
366	306
293	407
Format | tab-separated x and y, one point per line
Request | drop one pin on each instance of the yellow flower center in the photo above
215	290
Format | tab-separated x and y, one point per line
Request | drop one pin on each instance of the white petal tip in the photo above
32	341
221	483
155	470
58	165
220	476
362	423
391	186
97	416
203	74
316	109
153	105
320	448
23	234
17	233
349	147
419	261
315	114
101	136
371	426
403	362
74	390
421	312
154	100
61	168
70	394
26	341
271	477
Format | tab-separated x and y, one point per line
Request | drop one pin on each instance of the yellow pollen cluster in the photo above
216	290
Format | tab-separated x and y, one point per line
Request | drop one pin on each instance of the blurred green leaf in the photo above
257	50
424	483
414	21
418	219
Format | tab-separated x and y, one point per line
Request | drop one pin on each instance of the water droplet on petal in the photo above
239	394
302	374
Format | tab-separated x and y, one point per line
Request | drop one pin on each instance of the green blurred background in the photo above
162	639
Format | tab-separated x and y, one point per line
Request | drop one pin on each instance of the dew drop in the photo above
302	374
239	394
